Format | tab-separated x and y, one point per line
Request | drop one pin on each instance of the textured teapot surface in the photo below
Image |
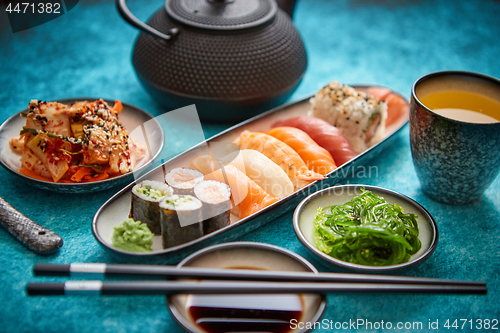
246	52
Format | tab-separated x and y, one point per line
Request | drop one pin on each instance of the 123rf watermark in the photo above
364	324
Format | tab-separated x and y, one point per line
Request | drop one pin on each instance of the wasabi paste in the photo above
133	236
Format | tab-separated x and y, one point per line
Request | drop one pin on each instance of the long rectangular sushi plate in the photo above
114	211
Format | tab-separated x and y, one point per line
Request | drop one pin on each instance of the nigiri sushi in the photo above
281	154
316	158
397	107
261	170
325	135
246	195
360	117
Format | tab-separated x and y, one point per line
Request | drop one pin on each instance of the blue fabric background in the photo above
87	52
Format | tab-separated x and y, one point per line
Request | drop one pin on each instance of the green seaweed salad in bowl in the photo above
365	228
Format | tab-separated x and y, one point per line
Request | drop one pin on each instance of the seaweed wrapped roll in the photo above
145	203
181	220
183	180
216	199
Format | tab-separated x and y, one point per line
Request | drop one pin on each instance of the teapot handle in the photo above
135	22
288	6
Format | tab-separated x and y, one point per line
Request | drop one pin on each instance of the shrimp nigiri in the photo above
316	157
281	154
247	196
325	135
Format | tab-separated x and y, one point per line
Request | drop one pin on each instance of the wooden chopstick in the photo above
101	271
100	288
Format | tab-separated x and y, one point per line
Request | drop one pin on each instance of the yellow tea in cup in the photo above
461	98
463	105
455	134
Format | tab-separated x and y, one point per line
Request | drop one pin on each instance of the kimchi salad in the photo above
77	143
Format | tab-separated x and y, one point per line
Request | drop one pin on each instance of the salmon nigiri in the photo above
316	157
397	107
281	154
325	135
246	195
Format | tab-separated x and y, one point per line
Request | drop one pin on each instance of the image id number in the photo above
40	8
479	324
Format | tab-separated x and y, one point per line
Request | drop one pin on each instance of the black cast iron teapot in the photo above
232	58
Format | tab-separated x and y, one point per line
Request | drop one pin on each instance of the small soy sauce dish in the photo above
246	313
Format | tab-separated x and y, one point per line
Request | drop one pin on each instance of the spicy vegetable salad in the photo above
83	142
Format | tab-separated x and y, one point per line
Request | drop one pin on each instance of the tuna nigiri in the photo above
246	195
325	135
316	157
281	154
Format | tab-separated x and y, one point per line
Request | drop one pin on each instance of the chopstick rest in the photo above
32	235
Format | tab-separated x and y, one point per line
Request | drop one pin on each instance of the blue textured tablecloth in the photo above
87	52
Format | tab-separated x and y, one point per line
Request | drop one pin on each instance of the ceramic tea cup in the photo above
455	134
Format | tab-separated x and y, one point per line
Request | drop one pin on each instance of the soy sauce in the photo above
245	313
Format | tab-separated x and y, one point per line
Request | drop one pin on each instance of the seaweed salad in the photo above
367	230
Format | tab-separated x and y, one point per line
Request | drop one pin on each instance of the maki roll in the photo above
145	203
181	219
216	199
246	195
360	117
183	180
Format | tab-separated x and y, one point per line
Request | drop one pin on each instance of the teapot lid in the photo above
222	14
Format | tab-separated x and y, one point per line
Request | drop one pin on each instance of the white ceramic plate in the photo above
117	208
303	223
142	128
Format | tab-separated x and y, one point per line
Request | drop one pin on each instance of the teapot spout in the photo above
288	6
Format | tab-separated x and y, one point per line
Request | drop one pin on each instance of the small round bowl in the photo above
137	122
303	218
247	255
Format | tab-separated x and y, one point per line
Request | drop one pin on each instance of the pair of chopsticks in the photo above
230	281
